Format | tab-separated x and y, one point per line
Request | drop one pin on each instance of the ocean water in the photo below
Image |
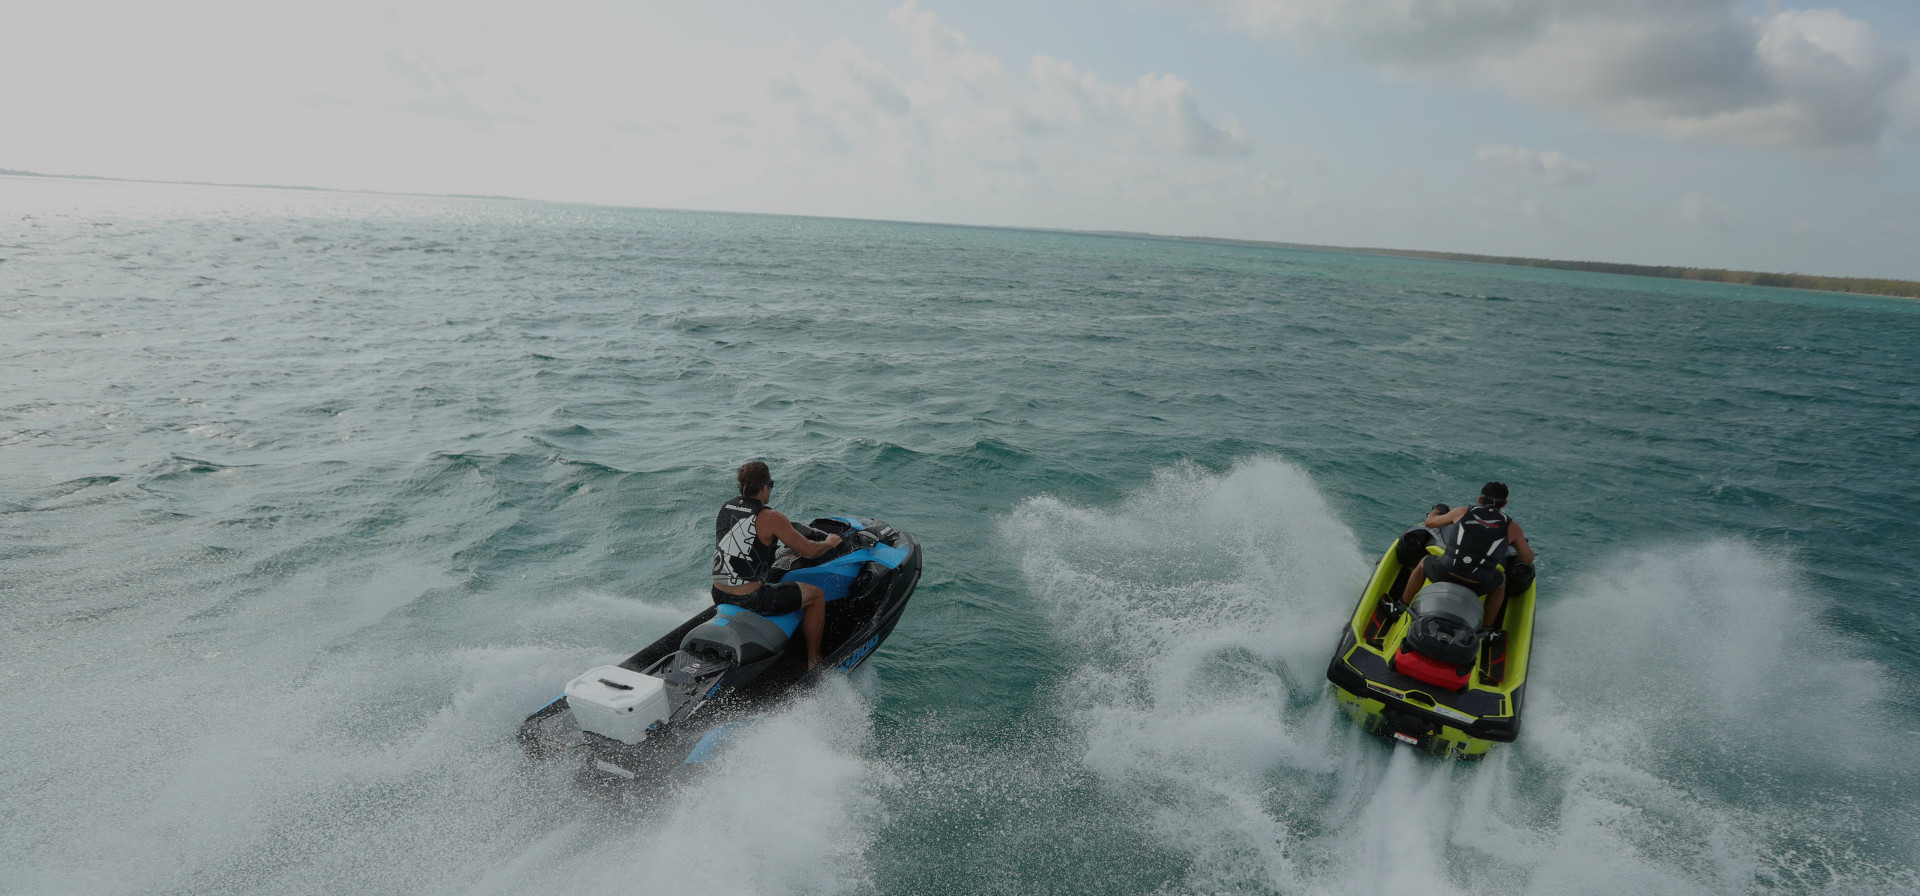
306	499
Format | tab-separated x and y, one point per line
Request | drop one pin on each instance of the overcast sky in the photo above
1722	133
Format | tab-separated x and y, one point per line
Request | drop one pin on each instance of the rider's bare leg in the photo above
1415	581
1495	598
813	603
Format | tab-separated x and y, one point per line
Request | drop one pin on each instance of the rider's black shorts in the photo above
777	599
1438	571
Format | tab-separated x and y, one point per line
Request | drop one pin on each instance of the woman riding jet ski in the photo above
676	701
1431	674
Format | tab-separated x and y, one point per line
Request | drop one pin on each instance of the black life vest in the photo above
739	557
1482	542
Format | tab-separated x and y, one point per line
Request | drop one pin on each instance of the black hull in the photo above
851	637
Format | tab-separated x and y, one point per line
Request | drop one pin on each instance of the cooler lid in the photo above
613	686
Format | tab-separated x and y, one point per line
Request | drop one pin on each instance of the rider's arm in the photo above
1436	520
776	524
1520	543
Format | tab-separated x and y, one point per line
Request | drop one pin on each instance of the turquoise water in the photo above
309	498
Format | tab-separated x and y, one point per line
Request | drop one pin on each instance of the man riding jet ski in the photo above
1482	536
1438	669
743	553
675	702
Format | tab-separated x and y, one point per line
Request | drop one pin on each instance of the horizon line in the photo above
1870	286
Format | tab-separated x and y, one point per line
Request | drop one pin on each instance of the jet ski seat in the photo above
1442	640
741	635
1445	621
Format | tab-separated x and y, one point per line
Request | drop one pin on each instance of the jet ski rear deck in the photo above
724	666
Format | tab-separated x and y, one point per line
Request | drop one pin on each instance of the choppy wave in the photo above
337	773
306	499
1691	719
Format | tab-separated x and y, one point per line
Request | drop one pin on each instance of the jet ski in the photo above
1423	674
673	705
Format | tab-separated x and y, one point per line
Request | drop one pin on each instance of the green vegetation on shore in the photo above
1860	285
1866	286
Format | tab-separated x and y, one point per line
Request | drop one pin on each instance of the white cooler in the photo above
619	703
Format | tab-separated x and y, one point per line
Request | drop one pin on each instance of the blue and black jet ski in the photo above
675	703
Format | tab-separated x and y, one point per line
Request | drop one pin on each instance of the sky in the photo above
1749	134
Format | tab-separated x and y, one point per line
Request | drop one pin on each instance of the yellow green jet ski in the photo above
1423	674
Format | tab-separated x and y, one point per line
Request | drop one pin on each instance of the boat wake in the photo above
789	806
396	773
1691	721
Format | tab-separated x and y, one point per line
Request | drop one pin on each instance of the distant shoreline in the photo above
1864	286
10	172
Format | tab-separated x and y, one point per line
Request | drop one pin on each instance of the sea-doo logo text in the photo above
860	654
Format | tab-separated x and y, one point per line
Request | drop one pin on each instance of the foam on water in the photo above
1689	718
275	767
308	498
1199	604
789	807
1709	734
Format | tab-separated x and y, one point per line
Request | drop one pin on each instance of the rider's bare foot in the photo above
812	661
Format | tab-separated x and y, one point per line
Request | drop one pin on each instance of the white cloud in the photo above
902	116
1906	104
1701	70
1162	109
1549	168
1401	32
950	66
1707	213
573	100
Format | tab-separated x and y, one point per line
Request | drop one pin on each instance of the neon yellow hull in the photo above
1462	724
